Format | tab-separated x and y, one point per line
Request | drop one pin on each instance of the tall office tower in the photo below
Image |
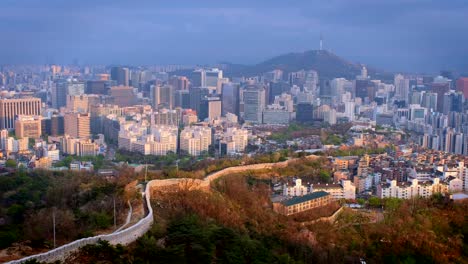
402	87
162	96
277	88
78	125
210	108
273	76
135	78
120	75
179	82
11	108
57	125
221	82
166	96
364	89
97	87
416	97
62	88
350	110
122	96
82	103
195	140
254	103
182	99
462	86
297	78
209	78
230	98
458	143
311	82
440	86
453	102
337	87
449	143
305	113
196	95
429	101
28	127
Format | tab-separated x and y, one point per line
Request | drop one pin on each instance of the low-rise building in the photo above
299	204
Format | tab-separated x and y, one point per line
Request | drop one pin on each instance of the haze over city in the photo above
395	35
332	131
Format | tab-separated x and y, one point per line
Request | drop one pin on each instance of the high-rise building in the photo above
230	98
182	99
365	89
402	87
77	125
210	108
97	87
209	78
57	126
82	103
63	88
28	127
195	140
122	96
462	86
120	75
453	102
162	96
440	86
11	108
179	82
305	113
196	96
254	103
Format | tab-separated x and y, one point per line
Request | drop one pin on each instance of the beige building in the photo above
28	126
81	103
303	203
11	108
77	125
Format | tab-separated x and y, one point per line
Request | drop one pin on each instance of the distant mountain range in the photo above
327	64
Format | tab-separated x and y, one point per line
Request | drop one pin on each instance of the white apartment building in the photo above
237	139
406	190
297	190
344	190
195	140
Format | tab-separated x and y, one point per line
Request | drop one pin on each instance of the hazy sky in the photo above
411	35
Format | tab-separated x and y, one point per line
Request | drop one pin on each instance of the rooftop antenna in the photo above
321	41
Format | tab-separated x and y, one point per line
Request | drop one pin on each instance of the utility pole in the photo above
115	218
53	222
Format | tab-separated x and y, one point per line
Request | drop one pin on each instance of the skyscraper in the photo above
120	75
462	86
254	103
63	88
210	108
11	108
230	98
209	78
78	125
196	95
97	87
122	95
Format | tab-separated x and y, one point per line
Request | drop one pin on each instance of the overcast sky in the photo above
398	35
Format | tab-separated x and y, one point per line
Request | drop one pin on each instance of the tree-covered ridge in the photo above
81	202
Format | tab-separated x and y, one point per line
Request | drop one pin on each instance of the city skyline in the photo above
414	36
